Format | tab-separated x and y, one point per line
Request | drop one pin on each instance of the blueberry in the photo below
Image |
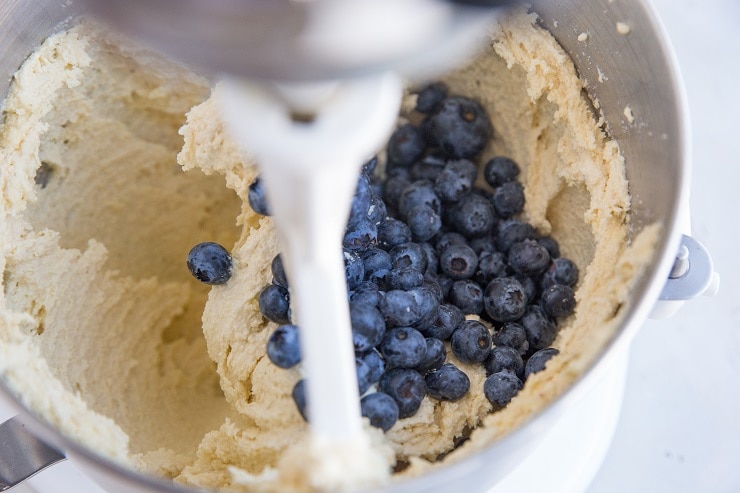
428	168
434	357
284	347
394	186
508	199
360	200
561	271
445	285
368	326
361	235
366	293
369	167
551	245
299	397
431	282
558	300
449	317
403	347
377	210
472	216
449	383
490	266
423	222
500	170
407	388
375	259
458	262
501	387
418	193
512	335
513	231
274	304
380	278
363	375
381	409
257	197
448	239
538	361
375	364
399	308
504	358
210	263
540	328
467	295
428	305
530	289
278	272
392	232
43	174
460	127
405	278
456	180
430	97
471	342
354	269
432	258
504	299
483	244
408	255
528	258
405	146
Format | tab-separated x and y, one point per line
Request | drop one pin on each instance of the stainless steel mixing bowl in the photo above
642	75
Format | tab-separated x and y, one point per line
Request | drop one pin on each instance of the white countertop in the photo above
680	426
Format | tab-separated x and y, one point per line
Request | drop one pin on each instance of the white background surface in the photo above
680	426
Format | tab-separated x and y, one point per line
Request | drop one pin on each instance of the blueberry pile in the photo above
428	244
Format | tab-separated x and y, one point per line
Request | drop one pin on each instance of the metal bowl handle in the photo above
22	454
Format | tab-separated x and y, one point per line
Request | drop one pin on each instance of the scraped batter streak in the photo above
100	322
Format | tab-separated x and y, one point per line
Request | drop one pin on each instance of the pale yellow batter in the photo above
105	334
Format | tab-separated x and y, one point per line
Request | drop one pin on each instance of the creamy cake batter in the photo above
104	333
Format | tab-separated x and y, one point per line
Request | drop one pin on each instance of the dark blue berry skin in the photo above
363	375
403	347
405	278
394	187
471	342
377	210
360	200
528	258
435	356
392	232
540	328
381	409
460	127
428	303
428	168
368	326
513	231
504	358
278	272
500	170
456	180
431	283
558	300
445	285
284	347
561	271
375	259
538	361
369	167
512	335
210	263
299	397
458	262
504	299
405	146
375	364
483	244
472	216
430	97
448	239
354	269
508	199
274	303
467	295
361	235
551	245
399	308
419	193
449	318
490	266
449	383
380	278
257	197
366	293
408	255
501	387
423	222
432	258
407	388
530	288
